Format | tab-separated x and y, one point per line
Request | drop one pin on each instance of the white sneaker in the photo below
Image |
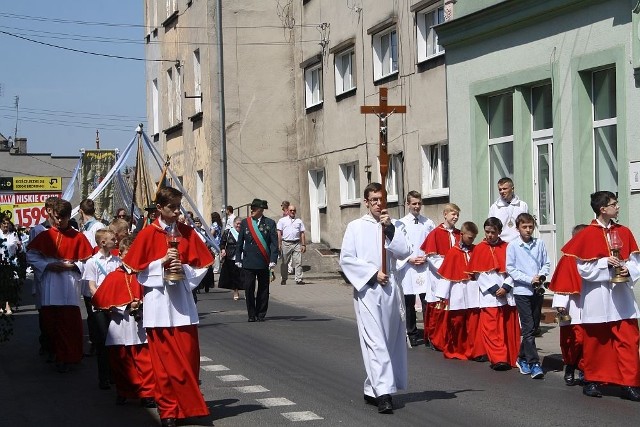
290	270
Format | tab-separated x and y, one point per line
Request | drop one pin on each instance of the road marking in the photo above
301	416
229	378
275	401
205	359
252	389
214	368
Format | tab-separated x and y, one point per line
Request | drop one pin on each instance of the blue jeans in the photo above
527	305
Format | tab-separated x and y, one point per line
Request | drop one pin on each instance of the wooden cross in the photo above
383	111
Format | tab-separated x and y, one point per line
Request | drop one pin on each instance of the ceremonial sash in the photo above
258	238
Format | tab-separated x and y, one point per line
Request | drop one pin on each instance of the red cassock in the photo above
499	326
463	341
437	242
614	342
151	244
175	351
131	364
63	323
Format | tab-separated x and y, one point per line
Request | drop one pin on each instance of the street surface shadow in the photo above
224	408
295	319
400	400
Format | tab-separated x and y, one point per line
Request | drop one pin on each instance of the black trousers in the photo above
410	304
526	306
98	323
537	302
257	303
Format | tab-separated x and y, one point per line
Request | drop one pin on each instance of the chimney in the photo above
20	145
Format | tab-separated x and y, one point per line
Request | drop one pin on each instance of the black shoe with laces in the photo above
384	404
591	390
569	375
631	393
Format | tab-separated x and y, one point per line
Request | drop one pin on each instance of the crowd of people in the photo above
482	302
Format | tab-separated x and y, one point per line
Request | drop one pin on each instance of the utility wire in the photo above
85	51
69	124
128	117
104	117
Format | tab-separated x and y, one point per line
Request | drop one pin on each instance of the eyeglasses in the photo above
614	204
375	201
292	210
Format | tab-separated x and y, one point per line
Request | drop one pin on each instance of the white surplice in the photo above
168	304
124	329
414	278
379	309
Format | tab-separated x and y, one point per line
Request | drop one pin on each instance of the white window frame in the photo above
539	138
394	178
310	90
386	56
172	6
319	178
507	139
426	33
345	82
177	84
349	183
197	81
431	172
170	97
155	106
597	125
200	190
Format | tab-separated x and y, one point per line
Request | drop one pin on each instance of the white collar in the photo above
501	203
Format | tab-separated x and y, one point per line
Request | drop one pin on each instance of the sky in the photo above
65	96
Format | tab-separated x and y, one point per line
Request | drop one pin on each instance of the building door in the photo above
544	209
317	201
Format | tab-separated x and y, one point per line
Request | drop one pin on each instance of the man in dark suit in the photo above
257	254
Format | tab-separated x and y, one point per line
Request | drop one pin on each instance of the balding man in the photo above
291	242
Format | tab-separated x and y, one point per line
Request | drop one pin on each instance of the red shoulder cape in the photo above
151	244
117	289
66	244
454	267
566	279
114	251
438	242
591	243
489	258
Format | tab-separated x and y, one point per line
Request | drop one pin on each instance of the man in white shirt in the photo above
89	222
507	208
412	271
292	244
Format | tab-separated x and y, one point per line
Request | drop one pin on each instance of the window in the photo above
500	113
345	78
435	170
313	84
542	143
319	188
170	98
426	36
197	78
394	178
200	190
605	124
177	100
385	54
155	106
349	183
172	6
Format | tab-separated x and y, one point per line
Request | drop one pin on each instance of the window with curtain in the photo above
500	118
605	124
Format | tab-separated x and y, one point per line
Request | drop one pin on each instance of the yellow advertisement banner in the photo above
37	183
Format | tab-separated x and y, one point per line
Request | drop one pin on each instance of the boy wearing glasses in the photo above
606	254
377	299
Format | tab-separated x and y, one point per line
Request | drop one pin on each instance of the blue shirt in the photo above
525	260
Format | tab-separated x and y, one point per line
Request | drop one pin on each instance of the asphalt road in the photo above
300	367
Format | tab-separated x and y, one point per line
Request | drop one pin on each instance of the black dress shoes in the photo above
591	390
370	400
148	402
631	393
481	358
384	404
252	319
168	422
569	375
260	319
501	366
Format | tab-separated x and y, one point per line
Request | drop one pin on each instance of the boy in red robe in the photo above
121	294
460	292
498	315
435	246
608	261
56	255
169	311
